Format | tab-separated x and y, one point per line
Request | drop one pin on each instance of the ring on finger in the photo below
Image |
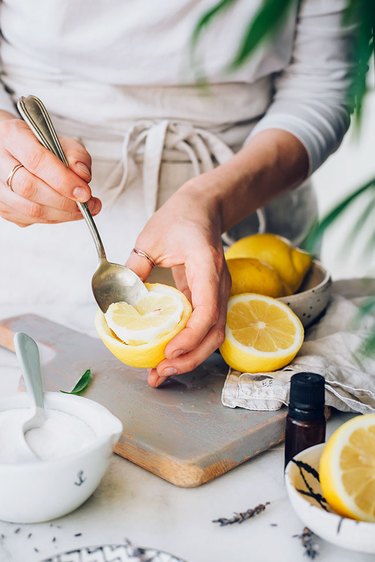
143	254
11	175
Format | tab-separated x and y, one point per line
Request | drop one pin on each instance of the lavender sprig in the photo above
242	516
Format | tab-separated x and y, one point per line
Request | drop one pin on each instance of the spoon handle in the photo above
28	357
36	116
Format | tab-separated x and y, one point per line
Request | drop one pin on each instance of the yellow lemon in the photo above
250	275
291	263
137	335
261	334
347	469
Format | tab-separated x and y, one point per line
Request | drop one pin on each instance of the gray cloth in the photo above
331	348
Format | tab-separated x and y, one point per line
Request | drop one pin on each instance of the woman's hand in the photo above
185	235
44	190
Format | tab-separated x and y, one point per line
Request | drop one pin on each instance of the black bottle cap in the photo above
307	395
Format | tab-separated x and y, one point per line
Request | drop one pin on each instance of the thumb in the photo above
141	263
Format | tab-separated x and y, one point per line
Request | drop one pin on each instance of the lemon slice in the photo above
156	314
160	316
347	469
262	334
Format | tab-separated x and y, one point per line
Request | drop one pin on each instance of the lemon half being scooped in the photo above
138	335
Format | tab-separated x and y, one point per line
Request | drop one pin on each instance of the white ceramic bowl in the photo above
313	296
44	490
342	531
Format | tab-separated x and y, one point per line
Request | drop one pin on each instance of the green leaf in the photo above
267	20
207	17
317	231
82	384
361	14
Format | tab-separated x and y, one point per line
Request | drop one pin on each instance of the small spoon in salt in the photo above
28	356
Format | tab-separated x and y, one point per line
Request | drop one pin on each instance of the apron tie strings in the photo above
203	149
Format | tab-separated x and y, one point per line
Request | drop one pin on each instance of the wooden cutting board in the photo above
180	432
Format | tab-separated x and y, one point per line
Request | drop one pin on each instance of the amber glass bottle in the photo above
305	422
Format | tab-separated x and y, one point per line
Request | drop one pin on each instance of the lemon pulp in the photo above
152	316
261	334
347	469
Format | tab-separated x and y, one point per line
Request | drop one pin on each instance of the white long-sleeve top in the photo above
98	61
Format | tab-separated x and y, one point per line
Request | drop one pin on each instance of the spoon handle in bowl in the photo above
36	116
28	357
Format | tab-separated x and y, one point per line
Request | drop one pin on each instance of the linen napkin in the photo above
331	348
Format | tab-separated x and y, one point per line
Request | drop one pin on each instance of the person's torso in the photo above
111	53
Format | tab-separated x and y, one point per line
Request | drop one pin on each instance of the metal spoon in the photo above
111	282
28	357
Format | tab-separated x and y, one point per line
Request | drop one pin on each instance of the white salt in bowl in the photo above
314	295
42	490
323	521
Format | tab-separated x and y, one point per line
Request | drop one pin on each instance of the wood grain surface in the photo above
180	432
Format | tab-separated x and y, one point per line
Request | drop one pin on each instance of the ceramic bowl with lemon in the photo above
332	486
270	265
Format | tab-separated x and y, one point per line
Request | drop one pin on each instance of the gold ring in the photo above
11	175
144	255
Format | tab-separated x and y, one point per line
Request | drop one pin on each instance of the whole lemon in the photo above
291	263
250	275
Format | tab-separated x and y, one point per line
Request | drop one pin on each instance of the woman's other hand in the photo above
185	235
43	190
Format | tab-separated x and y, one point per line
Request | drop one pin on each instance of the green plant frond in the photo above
368	306
367	349
207	18
267	20
316	233
357	228
361	13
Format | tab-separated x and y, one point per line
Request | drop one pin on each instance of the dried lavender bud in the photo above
308	542
241	517
78	535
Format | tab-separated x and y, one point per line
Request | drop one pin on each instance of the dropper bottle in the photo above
305	422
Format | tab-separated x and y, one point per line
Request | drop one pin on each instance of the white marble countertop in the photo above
131	503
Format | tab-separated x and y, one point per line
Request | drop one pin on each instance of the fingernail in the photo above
177	353
83	169
169	371
94	206
81	194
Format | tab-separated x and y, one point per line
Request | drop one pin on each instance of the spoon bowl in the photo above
111	282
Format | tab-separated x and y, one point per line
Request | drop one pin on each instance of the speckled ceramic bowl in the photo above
314	295
318	515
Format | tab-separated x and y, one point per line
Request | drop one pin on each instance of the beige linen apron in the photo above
134	173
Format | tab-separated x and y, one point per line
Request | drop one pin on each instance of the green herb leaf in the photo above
82	384
267	21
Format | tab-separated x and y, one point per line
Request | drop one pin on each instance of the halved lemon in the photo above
262	334
137	335
347	469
